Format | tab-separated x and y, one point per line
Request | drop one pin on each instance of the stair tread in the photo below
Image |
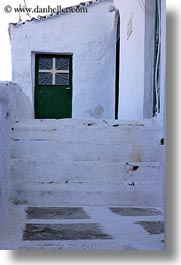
85	122
92	187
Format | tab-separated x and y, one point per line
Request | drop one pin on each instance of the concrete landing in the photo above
84	228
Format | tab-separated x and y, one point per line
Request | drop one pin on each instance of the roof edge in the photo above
53	15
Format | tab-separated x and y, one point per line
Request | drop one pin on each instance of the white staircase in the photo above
86	163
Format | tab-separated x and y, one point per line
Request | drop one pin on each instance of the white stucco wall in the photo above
131	94
19	105
163	98
14	105
4	156
90	38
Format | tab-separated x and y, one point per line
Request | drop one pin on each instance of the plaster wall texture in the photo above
91	39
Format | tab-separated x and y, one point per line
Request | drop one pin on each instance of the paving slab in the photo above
136	211
152	227
56	213
63	232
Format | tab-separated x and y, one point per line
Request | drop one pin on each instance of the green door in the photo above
53	86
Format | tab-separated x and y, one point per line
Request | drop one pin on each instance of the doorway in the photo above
117	69
53	86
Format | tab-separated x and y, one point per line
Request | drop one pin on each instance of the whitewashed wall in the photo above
90	38
4	155
163	99
131	95
14	105
19	105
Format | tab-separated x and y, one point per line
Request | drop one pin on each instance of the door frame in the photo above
33	71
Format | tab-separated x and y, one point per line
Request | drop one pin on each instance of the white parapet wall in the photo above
14	105
19	105
4	156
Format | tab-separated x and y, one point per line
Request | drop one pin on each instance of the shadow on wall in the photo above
19	105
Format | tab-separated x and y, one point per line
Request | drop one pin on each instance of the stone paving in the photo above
56	213
153	227
136	211
63	232
84	228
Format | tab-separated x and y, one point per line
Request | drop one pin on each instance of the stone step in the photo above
141	194
83	123
52	150
45	171
90	135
